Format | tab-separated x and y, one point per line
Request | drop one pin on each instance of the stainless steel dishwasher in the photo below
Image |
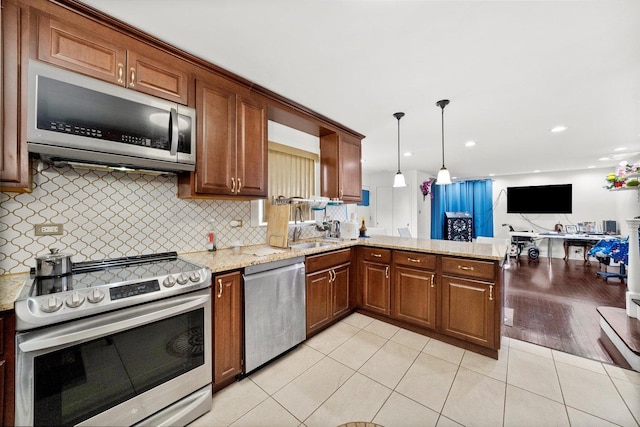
274	310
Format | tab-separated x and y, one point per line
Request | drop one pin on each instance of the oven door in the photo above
117	368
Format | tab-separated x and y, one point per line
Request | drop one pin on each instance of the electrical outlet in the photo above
48	229
236	223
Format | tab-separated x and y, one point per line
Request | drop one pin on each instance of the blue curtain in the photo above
475	197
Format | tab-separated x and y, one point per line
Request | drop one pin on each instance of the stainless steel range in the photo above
115	342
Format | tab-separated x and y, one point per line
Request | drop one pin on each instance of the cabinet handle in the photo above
490	292
132	83
414	260
465	268
332	276
233	185
386	272
376	255
433	280
341	193
239	186
219	288
120	72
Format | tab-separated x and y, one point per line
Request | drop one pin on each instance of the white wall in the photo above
591	202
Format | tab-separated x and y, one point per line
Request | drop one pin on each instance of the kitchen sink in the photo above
309	245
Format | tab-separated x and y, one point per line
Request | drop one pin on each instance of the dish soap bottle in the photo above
363	229
211	237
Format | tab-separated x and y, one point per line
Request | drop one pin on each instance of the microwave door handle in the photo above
173	125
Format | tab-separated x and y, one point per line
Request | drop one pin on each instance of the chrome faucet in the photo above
297	230
297	212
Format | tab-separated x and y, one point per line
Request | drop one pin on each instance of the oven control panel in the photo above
134	289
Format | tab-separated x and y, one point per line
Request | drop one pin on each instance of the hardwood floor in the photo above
554	304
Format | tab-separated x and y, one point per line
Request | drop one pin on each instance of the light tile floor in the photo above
362	369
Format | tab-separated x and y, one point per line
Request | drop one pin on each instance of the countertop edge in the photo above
226	260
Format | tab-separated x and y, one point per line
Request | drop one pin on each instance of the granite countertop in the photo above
226	259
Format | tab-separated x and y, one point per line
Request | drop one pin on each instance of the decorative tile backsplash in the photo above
112	214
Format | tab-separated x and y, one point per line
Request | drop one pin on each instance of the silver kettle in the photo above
53	264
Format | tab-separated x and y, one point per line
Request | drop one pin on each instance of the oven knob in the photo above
51	304
75	300
194	277
169	281
95	296
182	279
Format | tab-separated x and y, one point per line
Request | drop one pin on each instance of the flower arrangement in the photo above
425	187
625	176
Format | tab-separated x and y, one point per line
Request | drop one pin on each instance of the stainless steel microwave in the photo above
76	118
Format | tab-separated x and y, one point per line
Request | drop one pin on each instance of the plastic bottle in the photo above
211	237
363	229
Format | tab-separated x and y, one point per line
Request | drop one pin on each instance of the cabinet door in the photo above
164	76
350	169
415	296
318	299
468	308
15	174
375	291
81	50
251	176
227	326
215	146
340	167
340	289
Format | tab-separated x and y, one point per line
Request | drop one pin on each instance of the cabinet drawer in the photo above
468	267
414	259
326	260
376	255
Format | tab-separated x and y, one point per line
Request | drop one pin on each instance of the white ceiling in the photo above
512	70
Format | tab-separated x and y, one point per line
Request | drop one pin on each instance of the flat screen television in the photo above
540	199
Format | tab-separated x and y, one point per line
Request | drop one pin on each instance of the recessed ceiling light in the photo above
470	143
536	171
492	174
604	159
408	154
558	128
620	149
590	167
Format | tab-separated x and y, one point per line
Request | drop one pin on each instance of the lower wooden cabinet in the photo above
414	288
415	297
468	310
470	299
376	280
327	288
226	292
7	367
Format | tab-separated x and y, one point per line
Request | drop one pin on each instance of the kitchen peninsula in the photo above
448	290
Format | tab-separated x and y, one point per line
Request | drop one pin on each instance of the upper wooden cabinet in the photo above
231	147
341	169
15	174
107	55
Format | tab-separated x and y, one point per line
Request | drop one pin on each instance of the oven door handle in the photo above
110	323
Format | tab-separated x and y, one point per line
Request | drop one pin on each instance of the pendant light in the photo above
398	181
444	177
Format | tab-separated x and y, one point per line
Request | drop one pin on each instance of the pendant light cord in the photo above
443	136
398	145
398	116
442	103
